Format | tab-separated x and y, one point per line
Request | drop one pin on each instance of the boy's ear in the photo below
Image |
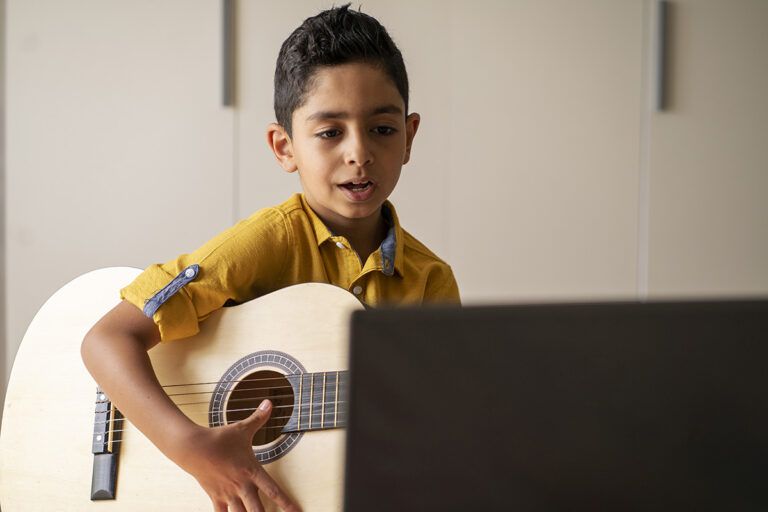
282	147
411	127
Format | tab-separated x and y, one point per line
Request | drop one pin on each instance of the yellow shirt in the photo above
278	247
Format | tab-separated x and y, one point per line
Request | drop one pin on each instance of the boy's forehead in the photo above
350	89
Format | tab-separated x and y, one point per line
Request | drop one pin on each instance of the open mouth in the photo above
357	187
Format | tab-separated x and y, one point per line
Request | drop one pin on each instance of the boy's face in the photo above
350	139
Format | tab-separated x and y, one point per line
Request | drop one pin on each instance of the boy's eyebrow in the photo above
388	109
327	114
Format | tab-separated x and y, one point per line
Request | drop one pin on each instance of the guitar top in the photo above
64	447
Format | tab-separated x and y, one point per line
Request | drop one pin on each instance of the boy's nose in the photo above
357	151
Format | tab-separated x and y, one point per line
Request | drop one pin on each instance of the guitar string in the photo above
312	413
228	411
305	375
266	426
312	416
247	399
247	409
320	403
311	384
241	391
232	392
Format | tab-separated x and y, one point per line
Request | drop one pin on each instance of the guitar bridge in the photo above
107	429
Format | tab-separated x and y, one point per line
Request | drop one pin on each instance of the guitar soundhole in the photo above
247	394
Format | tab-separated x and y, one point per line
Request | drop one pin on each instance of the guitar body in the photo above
46	459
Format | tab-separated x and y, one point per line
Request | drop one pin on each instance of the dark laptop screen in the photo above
621	406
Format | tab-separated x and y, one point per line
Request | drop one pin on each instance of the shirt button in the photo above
357	290
340	245
189	273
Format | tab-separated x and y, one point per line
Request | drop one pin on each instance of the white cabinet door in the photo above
118	149
541	128
708	186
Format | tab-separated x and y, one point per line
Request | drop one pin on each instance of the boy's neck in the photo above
365	235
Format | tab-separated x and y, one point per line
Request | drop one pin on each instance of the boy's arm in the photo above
221	459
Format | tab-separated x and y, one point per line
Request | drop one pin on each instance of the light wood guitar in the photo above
62	443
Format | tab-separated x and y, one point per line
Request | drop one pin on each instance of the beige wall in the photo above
3	351
541	171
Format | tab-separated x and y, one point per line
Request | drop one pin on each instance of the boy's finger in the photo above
259	417
236	506
251	500
272	491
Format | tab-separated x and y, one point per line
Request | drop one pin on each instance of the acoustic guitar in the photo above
65	447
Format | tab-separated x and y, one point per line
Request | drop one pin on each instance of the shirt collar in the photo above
322	233
392	242
391	247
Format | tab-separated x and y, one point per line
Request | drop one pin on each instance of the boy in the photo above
341	99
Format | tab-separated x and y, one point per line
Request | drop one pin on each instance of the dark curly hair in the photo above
333	37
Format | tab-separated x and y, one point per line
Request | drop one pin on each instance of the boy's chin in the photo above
360	212
342	210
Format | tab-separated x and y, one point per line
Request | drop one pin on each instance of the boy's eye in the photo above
385	130
328	134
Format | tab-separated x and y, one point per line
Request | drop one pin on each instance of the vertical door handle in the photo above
661	42
228	53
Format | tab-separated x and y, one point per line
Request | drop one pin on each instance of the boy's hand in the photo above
223	462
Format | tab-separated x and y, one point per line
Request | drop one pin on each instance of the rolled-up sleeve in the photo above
178	307
238	265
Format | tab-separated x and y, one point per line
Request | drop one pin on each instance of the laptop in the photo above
549	407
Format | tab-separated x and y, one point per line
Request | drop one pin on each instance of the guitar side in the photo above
45	441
